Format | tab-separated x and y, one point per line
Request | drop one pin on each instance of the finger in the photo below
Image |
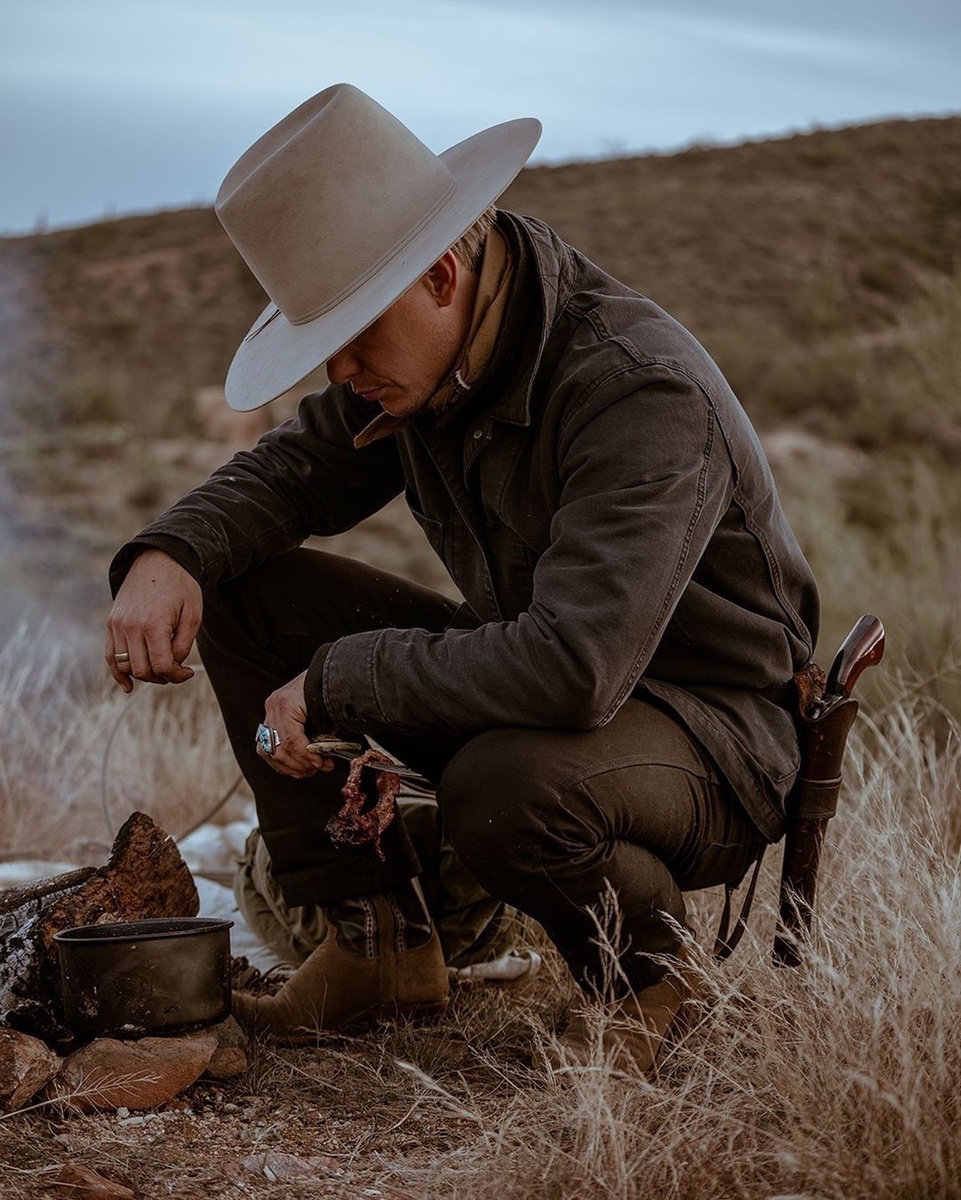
285	763
267	743
120	677
119	669
140	664
292	751
274	763
161	663
323	764
185	633
299	766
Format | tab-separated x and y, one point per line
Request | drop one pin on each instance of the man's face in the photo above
400	360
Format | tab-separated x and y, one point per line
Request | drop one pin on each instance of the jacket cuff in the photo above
320	718
179	550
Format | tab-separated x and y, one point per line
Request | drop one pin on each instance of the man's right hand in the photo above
154	621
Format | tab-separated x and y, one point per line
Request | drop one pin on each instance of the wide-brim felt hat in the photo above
338	210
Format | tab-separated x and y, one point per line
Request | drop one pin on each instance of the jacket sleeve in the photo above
302	478
644	479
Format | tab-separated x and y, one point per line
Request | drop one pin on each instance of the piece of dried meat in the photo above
355	825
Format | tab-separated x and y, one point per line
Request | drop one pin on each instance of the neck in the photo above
485	298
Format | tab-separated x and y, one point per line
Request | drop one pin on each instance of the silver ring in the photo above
122	657
267	740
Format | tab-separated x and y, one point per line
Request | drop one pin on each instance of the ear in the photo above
443	279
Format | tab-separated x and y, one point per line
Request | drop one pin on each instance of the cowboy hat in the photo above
338	210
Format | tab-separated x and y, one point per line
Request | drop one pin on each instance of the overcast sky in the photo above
116	106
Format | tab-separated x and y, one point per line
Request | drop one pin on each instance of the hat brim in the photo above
275	355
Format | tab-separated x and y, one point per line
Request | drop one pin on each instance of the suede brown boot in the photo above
381	957
630	1034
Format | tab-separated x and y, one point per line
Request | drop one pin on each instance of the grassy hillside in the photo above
761	249
821	270
784	257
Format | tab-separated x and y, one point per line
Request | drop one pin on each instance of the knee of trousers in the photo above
224	602
504	813
226	611
277	611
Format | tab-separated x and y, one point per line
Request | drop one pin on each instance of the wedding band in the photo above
122	657
267	740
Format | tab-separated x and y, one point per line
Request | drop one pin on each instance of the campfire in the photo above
89	1019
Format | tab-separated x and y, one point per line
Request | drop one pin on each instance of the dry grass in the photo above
79	756
835	1080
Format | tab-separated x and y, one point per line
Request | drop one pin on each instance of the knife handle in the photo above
862	648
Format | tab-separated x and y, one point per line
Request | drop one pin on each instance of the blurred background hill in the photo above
820	270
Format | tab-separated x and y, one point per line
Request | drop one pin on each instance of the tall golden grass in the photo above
79	756
838	1079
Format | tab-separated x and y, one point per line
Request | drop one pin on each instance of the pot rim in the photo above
148	929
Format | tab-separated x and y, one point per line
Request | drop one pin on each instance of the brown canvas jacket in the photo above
604	506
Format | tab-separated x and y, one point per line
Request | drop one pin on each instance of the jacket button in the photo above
478	433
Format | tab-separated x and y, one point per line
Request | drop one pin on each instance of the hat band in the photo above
265	318
322	309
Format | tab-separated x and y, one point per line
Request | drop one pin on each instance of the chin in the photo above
403	407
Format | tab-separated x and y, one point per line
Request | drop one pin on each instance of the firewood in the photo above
144	877
13	898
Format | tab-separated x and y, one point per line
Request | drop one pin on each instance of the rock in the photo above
278	1167
230	1057
229	1033
140	1074
26	1066
227	1062
84	1184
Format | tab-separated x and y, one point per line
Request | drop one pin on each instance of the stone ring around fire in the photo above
267	740
122	657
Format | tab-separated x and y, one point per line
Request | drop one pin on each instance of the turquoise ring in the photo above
267	740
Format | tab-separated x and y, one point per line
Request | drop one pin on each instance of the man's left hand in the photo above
286	714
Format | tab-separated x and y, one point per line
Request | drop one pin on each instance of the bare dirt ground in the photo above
364	1114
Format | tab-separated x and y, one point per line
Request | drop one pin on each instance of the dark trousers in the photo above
553	822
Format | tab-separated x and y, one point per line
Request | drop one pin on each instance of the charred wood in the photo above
145	876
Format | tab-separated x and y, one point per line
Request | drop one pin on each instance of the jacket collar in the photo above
542	284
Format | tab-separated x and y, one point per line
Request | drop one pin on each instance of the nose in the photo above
343	365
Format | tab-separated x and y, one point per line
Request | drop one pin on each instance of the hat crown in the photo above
327	197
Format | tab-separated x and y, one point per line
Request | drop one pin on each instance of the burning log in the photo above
144	877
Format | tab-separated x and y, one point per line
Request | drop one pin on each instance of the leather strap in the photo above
726	941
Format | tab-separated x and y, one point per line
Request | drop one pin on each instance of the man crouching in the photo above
596	716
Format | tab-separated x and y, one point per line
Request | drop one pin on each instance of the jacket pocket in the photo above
433	530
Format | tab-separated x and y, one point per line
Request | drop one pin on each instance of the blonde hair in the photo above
469	248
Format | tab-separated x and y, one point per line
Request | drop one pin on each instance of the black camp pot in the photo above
134	978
